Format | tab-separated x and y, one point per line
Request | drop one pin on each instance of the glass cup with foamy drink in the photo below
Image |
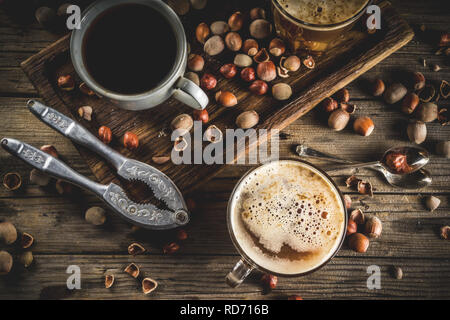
312	25
285	218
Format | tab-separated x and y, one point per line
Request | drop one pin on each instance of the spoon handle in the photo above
307	152
372	165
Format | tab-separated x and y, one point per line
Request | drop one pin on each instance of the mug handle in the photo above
189	93
240	271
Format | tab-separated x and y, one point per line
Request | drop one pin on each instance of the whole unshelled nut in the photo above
395	93
51	150
8	233
195	62
66	83
443	148
378	87
329	104
193	77
182	122
226	98
373	227
198	4
338	120
343	96
427	112
277	47
219	28
358	242
281	91
236	21
260	29
105	134
410	103
233	41
171	248
417	132
243	60
201	115
247	119
364	126
181	7
418	81
351	227
292	63
248	74
214	46
208	81
228	70
6	263
202	32
269	281
95	216
250	47
267	71
257	13
259	87
130	141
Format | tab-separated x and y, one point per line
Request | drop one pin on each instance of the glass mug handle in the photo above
189	93
240	271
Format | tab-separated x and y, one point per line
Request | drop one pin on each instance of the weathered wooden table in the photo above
410	236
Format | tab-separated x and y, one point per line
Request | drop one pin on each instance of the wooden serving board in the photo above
355	53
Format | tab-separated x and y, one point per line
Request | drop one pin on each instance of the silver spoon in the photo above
414	178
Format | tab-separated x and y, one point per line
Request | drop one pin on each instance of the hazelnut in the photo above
427	112
233	41
171	248
198	4
133	270
130	141
257	13
161	160
364	126
352	181
12	181
193	77
195	62
260	29
66	83
214	46
358	216
358	242
8	233
373	227
180	144
220	28
135	249
85	113
295	298
228	71
248	74
243	60
105	134
182	235
281	91
365	187
436	68
6	263
338	120
226	98
343	96
329	104
309	62
410	103
149	285
26	240
259	87
445	233
26	258
201	115
417	132
181	7
39	178
444	89
443	148
394	93
51	150
351	227
347	201
46	17
267	71
202	32
236	21
109	280
250	47
291	63
247	119
277	47
444	40
350	108
269	281
213	134
208	81
378	87
432	203
86	90
261	56
182	122
418	81
397	273
95	216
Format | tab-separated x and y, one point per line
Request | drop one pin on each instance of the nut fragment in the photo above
8	233
213	134
182	122
202	32
394	93
219	28
432	203
171	248
445	233
193	77
95	216
208	81
214	46
417	132
364	126
105	134
427	112
266	71
149	285
247	119
277	47
397	273
377	88
233	41
195	62
6	263
261	56
347	201
427	93
86	90
51	150
358	216
161	159
410	103
228	70
66	83
39	178
351	227
365	187
338	120
226	98
309	62
281	91
109	280
201	115
260	29
250	47
26	240
236	21
130	140
373	227
85	112
12	181
418	81
259	87
243	60
133	270
181	7
443	148
135	249
350	108
359	242
352	181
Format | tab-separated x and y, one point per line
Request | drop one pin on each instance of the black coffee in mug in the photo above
130	49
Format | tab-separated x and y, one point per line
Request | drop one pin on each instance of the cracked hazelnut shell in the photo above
133	270
149	285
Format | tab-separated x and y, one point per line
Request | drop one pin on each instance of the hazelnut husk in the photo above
259	87
236	21
338	120
250	47
281	91
195	62
358	216
277	47
219	28
8	233
171	248
443	148
214	46
26	241
202	32
233	41
133	270
351	227
358	242
247	119
26	259
12	181
6	263
417	132
260	29
395	93
432	203
149	285
266	71
135	249
445	232
364	126
427	112
109	280
228	70
95	216
410	103
373	227
182	122
161	159
39	178
213	134
377	88
66	83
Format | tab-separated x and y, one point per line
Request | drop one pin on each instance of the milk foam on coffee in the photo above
287	217
323	11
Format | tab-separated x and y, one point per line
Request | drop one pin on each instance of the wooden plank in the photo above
202	277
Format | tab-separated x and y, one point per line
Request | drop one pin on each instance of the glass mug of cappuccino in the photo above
286	218
312	25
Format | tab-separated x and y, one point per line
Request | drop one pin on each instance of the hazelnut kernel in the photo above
228	70
226	98
195	62
248	74
259	87
105	134
130	141
51	150
208	81
202	32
